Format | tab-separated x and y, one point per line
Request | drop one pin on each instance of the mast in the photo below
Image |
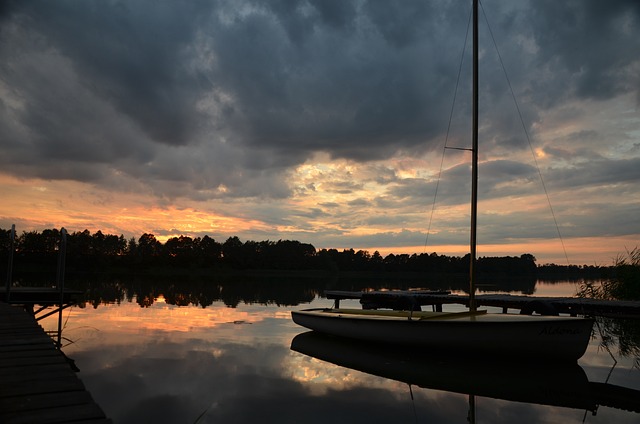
474	164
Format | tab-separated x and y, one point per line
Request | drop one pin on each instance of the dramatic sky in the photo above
324	121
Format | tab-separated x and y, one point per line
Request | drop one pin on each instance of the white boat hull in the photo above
559	338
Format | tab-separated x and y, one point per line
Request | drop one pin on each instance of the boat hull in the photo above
558	338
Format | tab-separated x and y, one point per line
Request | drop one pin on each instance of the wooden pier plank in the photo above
61	414
42	401
37	383
47	372
57	385
29	353
36	373
26	340
15	362
40	295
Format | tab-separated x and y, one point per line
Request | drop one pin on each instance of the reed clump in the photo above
624	283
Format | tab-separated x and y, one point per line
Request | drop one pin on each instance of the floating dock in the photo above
403	299
37	382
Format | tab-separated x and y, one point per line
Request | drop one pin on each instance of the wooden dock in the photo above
40	295
43	297
524	304
37	383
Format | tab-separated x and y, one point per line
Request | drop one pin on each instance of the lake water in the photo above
234	364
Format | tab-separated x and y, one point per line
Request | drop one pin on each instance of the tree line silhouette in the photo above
86	252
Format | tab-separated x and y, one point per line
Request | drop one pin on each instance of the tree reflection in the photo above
623	284
283	289
621	334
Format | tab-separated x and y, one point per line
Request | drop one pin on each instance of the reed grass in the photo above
624	284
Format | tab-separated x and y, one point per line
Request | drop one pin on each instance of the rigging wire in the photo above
526	132
524	127
446	140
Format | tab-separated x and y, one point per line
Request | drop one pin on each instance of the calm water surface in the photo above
221	364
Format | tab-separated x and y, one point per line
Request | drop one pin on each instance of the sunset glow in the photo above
164	318
201	132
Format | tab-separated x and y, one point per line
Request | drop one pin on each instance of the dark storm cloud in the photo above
600	172
590	44
297	72
349	91
205	93
135	55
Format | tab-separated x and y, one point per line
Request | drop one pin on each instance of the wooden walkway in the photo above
525	304
37	383
43	297
40	295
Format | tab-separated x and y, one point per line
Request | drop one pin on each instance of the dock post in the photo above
12	238
60	280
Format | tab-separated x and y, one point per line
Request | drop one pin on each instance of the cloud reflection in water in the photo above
172	364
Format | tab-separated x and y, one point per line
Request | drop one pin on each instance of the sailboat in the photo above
472	332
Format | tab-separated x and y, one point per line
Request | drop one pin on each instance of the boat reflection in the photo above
554	384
